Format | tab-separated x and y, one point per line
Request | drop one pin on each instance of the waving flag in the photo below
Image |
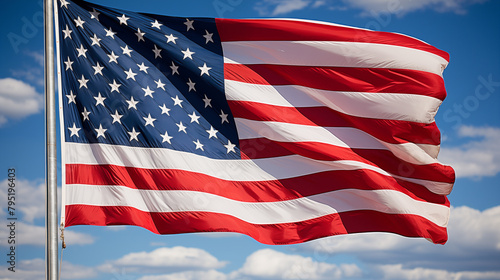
284	130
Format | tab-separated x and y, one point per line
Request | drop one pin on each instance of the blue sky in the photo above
469	120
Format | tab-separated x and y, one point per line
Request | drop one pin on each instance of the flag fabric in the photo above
281	129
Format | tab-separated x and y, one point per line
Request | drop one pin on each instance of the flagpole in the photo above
51	248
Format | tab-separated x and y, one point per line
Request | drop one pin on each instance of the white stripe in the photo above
346	137
234	170
389	106
333	54
289	211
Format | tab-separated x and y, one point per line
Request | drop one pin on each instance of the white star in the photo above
126	50
223	117
85	114
94	14
198	145
113	57
208	36
165	110
204	69
207	101
68	64
157	51
230	147
159	84
83	82
79	22
130	74
110	33
133	135
166	137
212	132
148	92
100	131
187	53
140	35
194	118
95	40
191	85
99	100
74	130
71	97
123	19
177	101
64	3
143	67
114	86
171	38
149	120
189	24
156	24
181	127
82	51
174	68
67	32
116	117
98	69
132	103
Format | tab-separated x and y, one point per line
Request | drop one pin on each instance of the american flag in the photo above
284	130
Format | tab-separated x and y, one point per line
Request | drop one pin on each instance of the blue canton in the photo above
144	80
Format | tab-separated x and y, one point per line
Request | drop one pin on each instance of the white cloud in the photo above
32	75
271	264
399	273
318	3
165	260
189	275
475	232
480	156
29	73
473	246
77	238
18	100
401	7
37	56
35	269
368	7
279	7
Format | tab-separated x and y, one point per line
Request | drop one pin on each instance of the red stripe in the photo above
320	151
390	131
250	191
291	30
340	78
290	233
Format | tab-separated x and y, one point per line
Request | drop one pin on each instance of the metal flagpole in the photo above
51	248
